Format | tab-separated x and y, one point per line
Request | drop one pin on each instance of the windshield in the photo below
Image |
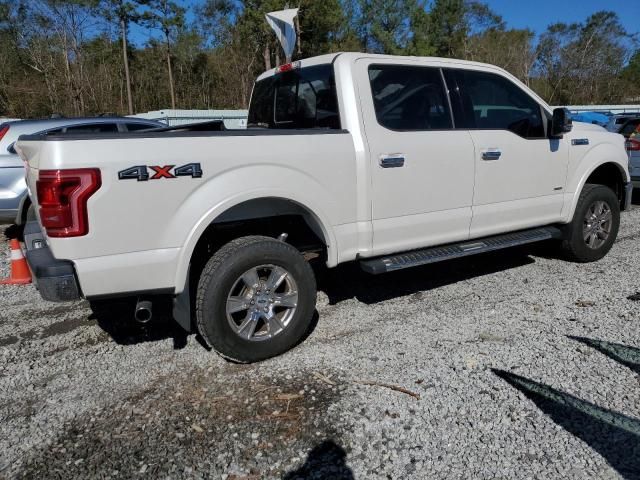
301	98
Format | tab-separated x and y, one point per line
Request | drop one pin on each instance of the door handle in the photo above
392	161
491	154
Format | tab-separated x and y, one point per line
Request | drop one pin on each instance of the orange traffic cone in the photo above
20	273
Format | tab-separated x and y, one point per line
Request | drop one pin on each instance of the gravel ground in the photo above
525	367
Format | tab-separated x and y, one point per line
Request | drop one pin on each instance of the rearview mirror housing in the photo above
561	122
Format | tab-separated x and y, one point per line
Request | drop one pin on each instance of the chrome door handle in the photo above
491	154
392	161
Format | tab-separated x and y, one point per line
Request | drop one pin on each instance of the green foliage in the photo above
68	56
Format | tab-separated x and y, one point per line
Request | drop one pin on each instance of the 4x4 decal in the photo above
141	172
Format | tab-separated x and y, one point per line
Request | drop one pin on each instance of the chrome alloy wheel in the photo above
597	224
262	302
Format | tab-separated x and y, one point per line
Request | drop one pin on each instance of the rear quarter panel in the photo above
155	224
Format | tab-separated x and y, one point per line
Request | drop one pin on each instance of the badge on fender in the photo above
142	173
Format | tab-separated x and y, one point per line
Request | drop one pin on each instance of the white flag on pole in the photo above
282	23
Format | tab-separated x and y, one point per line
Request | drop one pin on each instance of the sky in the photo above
538	14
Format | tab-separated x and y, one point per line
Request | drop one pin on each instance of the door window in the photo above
491	102
409	98
93	128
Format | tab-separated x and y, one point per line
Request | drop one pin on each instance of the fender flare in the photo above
321	219
570	208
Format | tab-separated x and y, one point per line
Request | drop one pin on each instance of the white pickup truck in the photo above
393	162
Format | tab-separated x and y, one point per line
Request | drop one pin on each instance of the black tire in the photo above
219	277
574	244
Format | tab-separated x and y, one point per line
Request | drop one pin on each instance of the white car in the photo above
392	162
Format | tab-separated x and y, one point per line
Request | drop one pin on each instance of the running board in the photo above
425	256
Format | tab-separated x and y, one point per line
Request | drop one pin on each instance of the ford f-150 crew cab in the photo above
393	162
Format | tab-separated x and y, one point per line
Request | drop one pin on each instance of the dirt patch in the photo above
204	424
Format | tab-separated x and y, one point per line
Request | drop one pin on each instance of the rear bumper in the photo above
55	279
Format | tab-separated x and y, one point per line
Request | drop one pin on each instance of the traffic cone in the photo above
20	274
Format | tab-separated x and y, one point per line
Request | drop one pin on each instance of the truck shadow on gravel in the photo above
616	437
241	421
116	319
349	281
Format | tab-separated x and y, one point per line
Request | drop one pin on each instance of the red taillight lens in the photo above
3	131
633	145
287	67
62	196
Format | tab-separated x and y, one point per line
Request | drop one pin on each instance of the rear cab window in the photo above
302	98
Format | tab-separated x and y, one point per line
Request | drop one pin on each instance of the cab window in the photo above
299	98
488	101
409	98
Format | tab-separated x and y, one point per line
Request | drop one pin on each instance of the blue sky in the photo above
537	14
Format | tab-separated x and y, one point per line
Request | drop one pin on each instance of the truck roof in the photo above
351	56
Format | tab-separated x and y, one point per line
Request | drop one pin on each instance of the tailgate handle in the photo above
392	161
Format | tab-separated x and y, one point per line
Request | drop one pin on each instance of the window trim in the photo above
443	85
458	95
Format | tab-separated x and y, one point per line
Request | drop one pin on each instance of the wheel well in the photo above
609	174
265	216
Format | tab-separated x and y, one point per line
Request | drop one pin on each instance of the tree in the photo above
168	17
123	13
583	62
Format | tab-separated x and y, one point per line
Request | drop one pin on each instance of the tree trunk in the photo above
267	57
125	57
173	93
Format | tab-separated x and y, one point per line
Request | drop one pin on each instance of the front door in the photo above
422	170
520	173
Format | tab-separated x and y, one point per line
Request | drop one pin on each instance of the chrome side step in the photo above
425	256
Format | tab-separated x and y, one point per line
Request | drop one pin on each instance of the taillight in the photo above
3	131
633	145
62	196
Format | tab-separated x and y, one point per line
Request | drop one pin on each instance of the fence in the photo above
232	118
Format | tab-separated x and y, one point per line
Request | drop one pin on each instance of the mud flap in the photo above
182	306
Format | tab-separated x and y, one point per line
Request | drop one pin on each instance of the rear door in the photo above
422	169
520	173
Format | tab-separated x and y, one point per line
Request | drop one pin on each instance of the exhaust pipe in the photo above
143	311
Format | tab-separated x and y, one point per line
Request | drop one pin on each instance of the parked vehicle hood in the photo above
587	127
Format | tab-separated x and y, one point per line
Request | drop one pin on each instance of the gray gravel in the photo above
526	367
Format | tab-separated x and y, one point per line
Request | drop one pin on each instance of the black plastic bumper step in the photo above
425	256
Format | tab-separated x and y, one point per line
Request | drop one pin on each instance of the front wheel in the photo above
595	224
256	299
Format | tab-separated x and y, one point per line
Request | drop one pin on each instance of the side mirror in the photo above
561	122
12	148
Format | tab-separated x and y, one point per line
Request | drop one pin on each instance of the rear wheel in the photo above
256	298
594	228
